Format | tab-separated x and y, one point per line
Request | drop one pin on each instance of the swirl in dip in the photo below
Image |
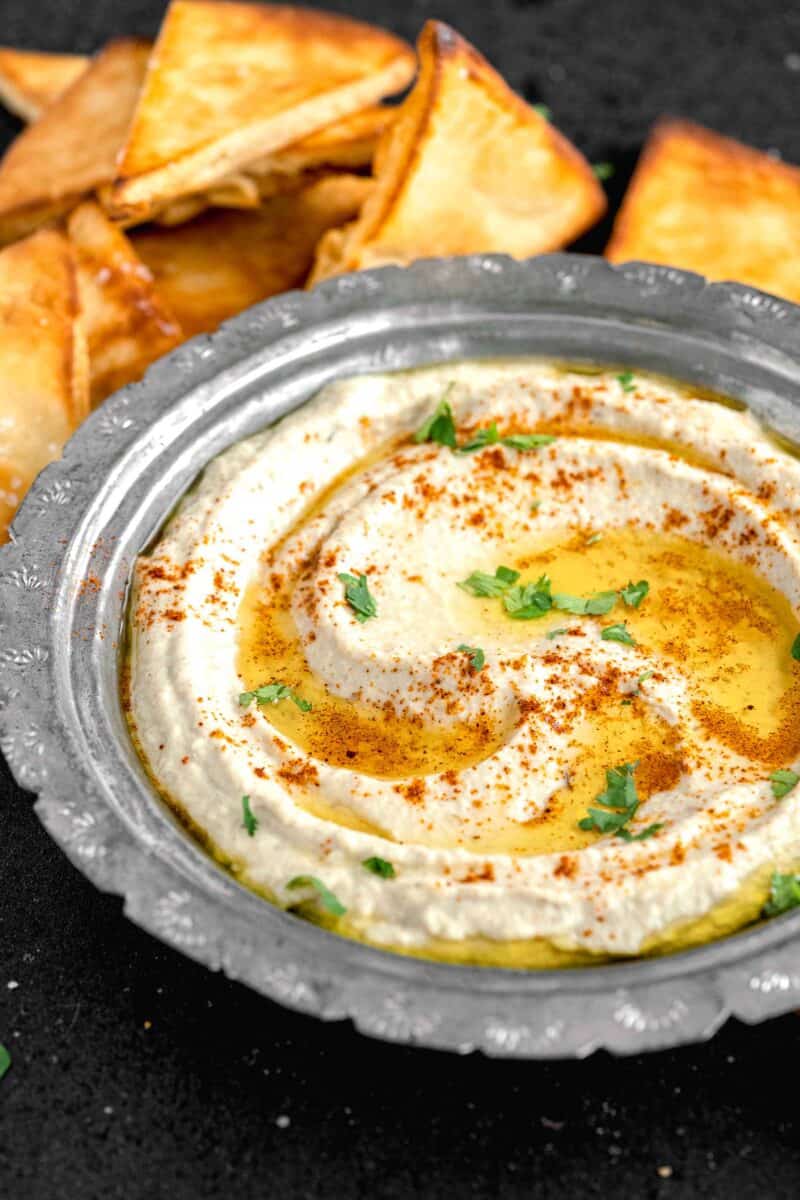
581	762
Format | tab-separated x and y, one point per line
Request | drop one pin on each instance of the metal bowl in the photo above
63	582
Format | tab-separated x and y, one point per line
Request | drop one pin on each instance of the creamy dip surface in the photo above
541	717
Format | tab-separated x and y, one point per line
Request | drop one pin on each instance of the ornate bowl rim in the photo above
62	589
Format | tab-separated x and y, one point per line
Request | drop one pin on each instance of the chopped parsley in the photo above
481	584
535	505
640	679
529	601
592	606
528	441
482	437
796	648
476	656
594	539
634	593
783	782
249	822
379	866
627	836
554	633
440	426
620	802
543	111
626	381
273	693
358	596
324	894
490	436
5	1060
784	893
636	689
618	633
604	170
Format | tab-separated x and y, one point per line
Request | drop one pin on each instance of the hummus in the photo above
518	700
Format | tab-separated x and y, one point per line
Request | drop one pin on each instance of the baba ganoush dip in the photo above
487	662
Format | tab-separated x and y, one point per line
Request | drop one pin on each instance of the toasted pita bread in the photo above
222	262
73	147
706	203
347	144
127	324
467	167
231	83
30	80
43	361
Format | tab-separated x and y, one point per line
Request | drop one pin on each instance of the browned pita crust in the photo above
224	261
466	167
43	361
30	80
72	149
349	143
231	83
127	324
346	145
707	203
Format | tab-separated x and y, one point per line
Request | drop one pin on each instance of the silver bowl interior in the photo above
63	586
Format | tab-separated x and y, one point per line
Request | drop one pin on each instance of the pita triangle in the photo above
467	167
706	203
212	267
72	148
346	145
43	361
230	83
127	324
30	80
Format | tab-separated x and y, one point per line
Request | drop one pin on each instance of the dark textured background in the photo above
138	1074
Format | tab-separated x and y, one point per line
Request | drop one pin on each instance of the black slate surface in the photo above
138	1074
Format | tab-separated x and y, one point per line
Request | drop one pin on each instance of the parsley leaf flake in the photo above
796	648
477	658
379	866
620	802
249	822
358	596
440	426
637	687
618	633
784	893
5	1060
634	593
482	437
627	836
783	782
528	441
479	583
529	601
626	381
273	693
592	606
325	896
